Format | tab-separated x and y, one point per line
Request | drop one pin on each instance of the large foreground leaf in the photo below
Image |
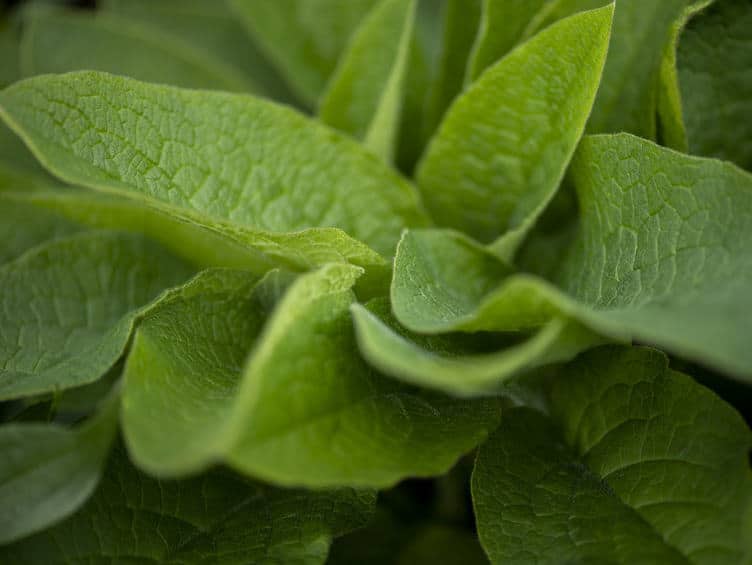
47	472
217	518
213	156
304	38
636	464
489	171
364	96
660	256
304	410
68	308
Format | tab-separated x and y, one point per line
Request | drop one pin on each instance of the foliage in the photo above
376	281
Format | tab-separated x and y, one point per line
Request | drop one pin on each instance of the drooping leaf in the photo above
660	256
217	518
305	410
304	38
47	472
489	171
636	464
68	308
503	25
211	28
364	96
444	364
58	41
714	61
209	155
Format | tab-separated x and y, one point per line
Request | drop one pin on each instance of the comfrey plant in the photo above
376	281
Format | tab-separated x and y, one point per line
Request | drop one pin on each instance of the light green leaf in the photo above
211	28
214	244
310	412
185	366
210	156
637	464
459	28
364	96
58	41
443	364
23	226
504	145
304	38
68	308
660	257
503	25
47	471
217	518
305	410
714	60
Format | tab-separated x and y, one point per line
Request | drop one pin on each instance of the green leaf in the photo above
503	25
213	29
364	96
660	257
714	58
504	145
443	363
47	471
304	38
346	424
185	366
58	41
211	156
68	308
636	464
217	518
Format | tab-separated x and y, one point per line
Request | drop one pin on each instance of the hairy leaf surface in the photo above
215	156
636	464
68	308
489	171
